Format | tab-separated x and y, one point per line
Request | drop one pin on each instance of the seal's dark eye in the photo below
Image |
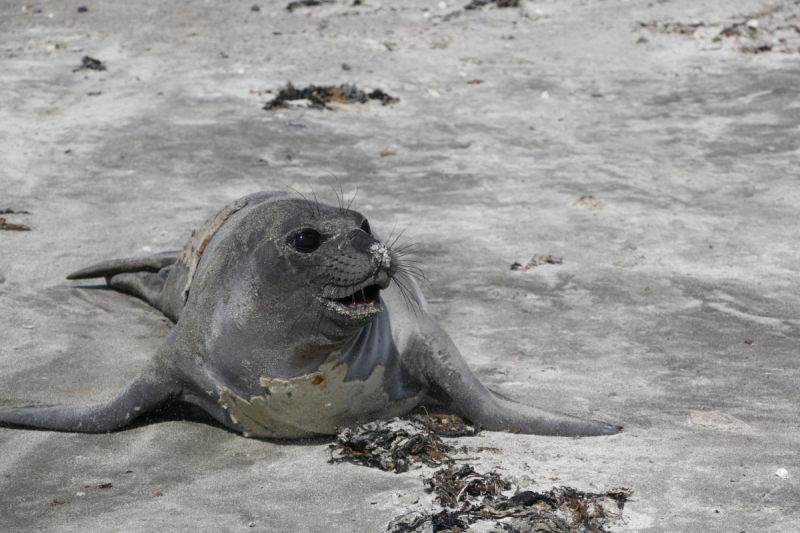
306	241
365	227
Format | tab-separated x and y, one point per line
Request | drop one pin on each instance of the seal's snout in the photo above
382	260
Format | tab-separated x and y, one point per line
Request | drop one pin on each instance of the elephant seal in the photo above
292	319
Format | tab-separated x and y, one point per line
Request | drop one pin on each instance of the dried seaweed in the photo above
90	63
476	4
468	497
8	226
539	259
319	96
445	425
453	486
291	6
395	445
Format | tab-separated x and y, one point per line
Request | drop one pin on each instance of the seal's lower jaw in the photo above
360	308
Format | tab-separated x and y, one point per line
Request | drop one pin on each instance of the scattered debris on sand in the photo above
101	486
756	48
90	63
291	6
8	226
775	28
13	212
538	260
741	29
382	97
589	202
680	28
395	445
27	10
632	259
477	4
468	497
319	96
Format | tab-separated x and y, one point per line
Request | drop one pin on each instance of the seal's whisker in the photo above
352	199
412	261
310	207
416	274
410	249
411	293
419	277
409	263
402	256
414	271
407	245
315	198
407	294
392	232
402	290
338	199
391	245
341	191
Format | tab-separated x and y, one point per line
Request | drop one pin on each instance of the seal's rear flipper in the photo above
144	277
107	269
445	369
139	397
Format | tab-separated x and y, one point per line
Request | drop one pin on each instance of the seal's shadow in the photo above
176	411
180	411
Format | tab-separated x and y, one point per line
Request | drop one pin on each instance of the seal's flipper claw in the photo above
445	369
152	263
139	397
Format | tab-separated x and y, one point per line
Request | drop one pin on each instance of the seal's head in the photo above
345	266
310	271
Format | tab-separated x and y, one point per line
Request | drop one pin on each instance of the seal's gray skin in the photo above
280	332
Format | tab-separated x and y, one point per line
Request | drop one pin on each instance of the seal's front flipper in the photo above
444	368
142	395
107	269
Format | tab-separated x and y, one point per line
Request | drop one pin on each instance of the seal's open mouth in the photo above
361	306
361	297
